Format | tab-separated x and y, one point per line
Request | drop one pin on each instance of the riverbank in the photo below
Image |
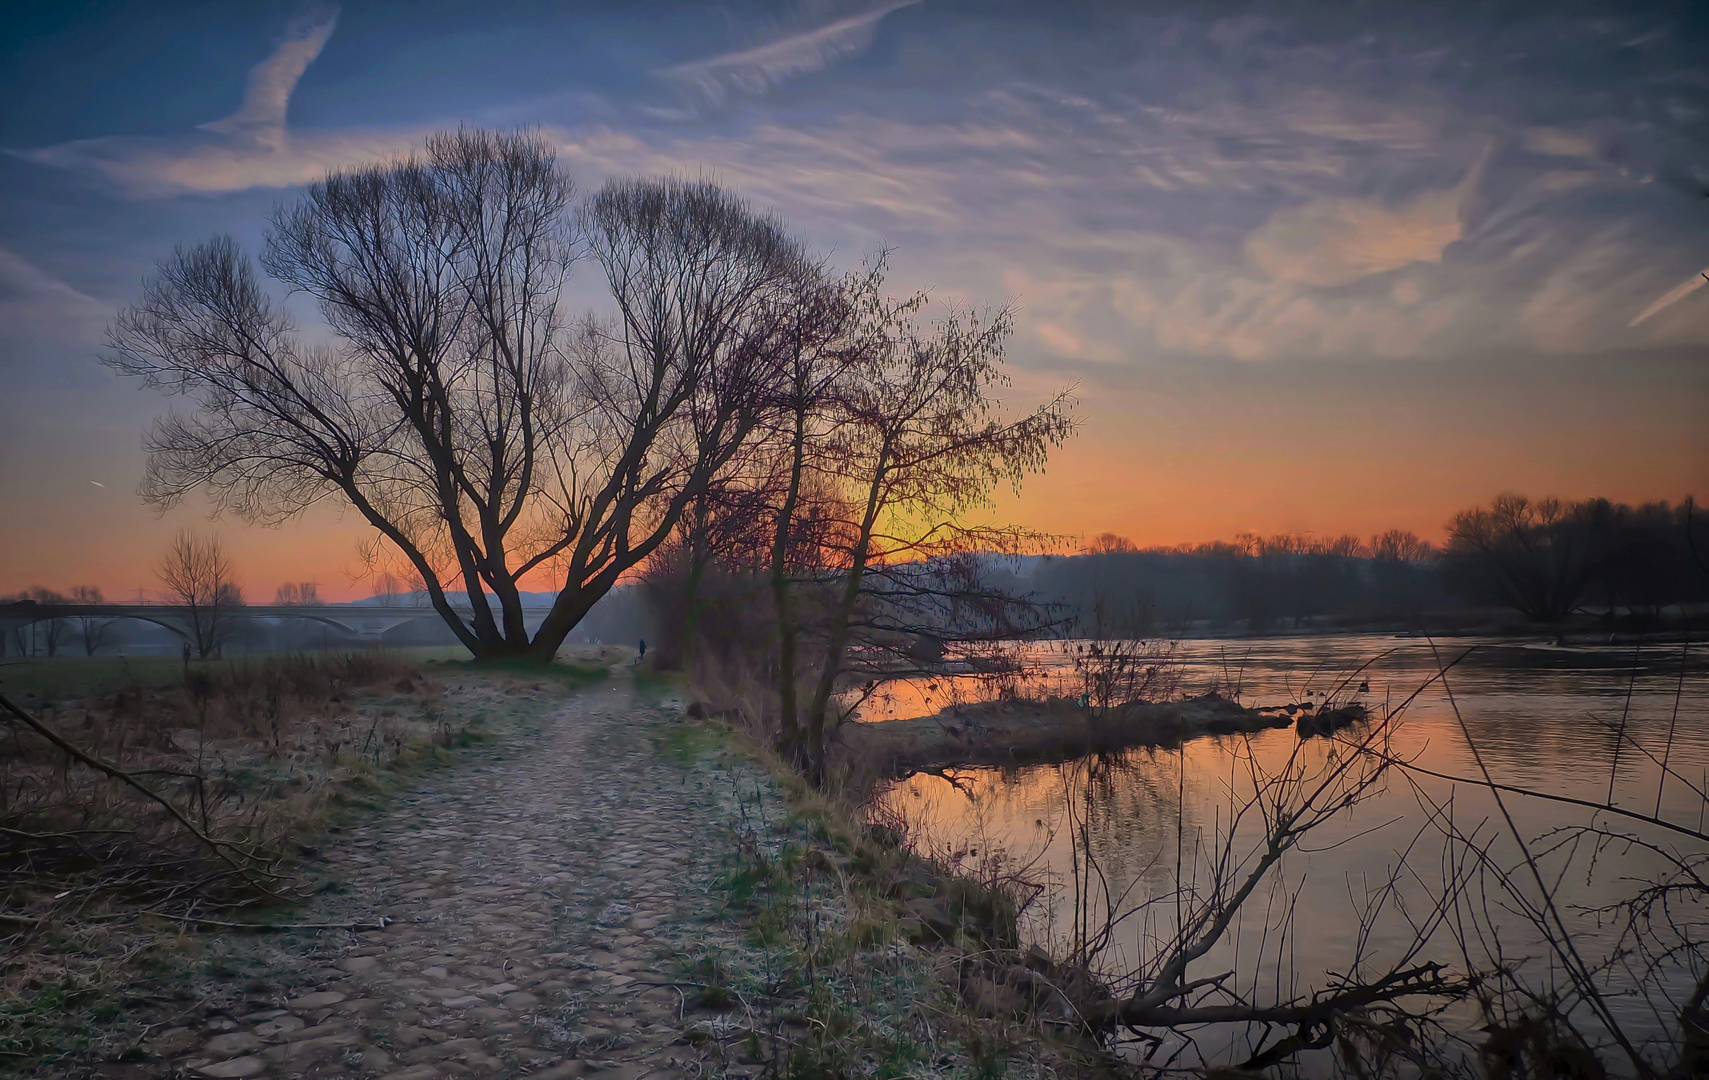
987	1003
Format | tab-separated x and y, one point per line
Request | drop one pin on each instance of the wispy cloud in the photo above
1141	194
1257	251
42	315
801	50
250	148
156	168
1335	241
267	95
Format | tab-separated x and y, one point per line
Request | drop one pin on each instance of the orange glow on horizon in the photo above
1187	459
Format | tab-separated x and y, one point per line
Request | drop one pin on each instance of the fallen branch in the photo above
218	847
1426	979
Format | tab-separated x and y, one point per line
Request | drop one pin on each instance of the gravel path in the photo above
546	899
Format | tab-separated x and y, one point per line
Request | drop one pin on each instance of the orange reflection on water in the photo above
1127	832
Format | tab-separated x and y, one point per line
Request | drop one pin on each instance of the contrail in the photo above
761	67
1673	296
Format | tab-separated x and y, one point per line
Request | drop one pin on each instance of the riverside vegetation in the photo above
591	886
1429	988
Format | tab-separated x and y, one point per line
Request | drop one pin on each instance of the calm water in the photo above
1153	821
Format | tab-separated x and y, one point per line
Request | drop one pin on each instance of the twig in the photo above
1667	752
218	847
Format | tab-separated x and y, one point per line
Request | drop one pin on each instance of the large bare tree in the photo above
1538	557
677	386
483	433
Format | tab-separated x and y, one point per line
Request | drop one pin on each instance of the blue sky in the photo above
1311	266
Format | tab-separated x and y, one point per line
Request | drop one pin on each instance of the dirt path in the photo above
545	900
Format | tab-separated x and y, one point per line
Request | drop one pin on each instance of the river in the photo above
1578	722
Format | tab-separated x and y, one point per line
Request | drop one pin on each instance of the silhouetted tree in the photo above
916	443
482	436
1644	562
823	337
52	633
92	630
1401	570
1109	544
293	593
197	573
1536	557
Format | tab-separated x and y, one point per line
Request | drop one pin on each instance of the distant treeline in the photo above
1545	560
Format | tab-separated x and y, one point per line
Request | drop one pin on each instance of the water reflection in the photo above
1141	834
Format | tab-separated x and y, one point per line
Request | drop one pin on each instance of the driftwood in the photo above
1028	732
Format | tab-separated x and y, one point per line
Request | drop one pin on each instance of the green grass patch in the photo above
688	741
48	1021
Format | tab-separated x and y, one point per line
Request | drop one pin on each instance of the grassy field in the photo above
38	680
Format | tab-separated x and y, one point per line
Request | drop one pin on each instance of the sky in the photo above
1307	267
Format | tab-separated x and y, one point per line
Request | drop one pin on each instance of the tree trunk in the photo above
789	728
840	618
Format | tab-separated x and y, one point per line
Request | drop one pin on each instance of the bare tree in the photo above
675	389
51	632
387	588
915	441
297	592
1399	546
197	573
1537	557
461	414
1109	543
92	630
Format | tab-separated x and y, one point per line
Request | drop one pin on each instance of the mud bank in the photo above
1054	729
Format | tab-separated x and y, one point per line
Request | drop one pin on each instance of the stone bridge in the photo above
366	621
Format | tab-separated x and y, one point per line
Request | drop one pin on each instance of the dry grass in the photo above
227	778
247	756
905	950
